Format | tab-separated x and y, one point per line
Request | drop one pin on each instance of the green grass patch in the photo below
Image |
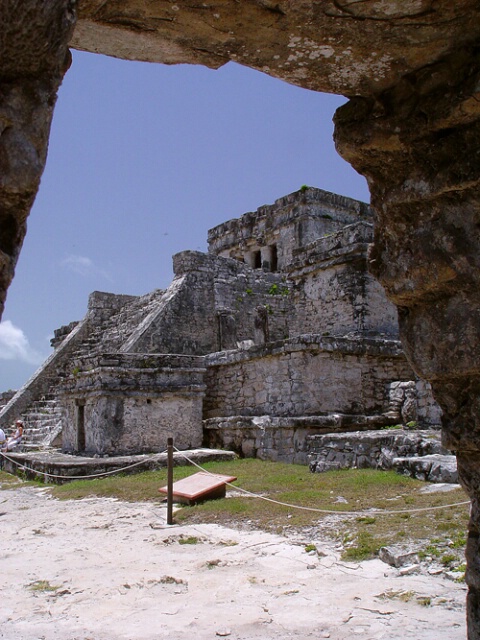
8	481
42	586
365	547
310	547
366	520
374	495
188	540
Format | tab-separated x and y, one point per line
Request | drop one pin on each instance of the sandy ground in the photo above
108	570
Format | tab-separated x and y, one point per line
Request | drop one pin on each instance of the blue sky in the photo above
143	160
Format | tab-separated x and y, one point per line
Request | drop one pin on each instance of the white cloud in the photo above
14	345
79	264
83	266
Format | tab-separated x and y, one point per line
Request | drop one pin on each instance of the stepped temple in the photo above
278	333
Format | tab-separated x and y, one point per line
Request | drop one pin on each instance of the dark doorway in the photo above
273	257
80	425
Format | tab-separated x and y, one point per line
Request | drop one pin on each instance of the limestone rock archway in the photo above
412	71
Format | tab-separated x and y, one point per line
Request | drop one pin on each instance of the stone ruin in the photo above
277	334
411	71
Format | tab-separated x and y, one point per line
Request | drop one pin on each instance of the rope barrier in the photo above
80	477
245	491
369	512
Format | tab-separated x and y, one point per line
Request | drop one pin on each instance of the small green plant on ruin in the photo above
275	290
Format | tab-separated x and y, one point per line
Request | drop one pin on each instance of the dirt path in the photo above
99	569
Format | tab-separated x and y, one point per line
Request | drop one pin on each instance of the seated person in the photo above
16	439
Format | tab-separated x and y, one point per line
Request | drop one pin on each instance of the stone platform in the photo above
416	453
56	467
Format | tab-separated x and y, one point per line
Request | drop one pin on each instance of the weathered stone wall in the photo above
74	339
377	450
184	320
304	376
287	438
61	333
119	404
288	225
281	439
334	293
212	304
102	305
5	397
429	412
121	425
47	376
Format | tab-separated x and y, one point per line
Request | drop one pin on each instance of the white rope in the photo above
368	512
53	475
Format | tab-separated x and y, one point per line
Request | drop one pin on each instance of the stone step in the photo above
432	468
41	419
418	453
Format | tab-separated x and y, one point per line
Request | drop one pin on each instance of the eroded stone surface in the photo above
347	46
414	134
34	56
418	454
418	147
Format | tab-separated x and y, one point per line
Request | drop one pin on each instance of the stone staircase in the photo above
42	425
109	335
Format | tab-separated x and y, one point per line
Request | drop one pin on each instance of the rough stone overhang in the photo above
349	47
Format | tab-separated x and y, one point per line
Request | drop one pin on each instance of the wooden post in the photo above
170	481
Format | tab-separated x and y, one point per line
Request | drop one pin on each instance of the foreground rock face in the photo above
413	132
418	147
34	56
348	47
